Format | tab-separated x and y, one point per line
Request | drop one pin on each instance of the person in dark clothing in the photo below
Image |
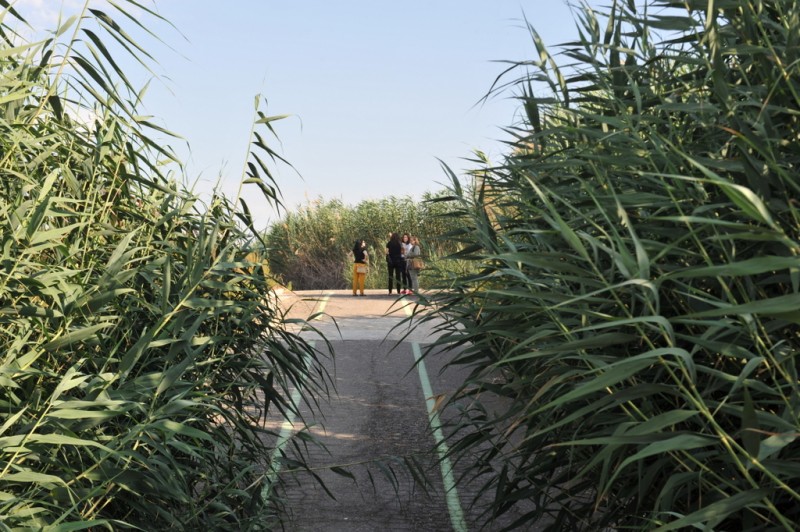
395	260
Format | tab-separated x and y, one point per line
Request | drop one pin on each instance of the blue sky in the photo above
377	91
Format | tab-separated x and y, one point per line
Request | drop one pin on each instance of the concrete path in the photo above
380	418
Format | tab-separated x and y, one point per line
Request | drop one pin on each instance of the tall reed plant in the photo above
141	352
636	304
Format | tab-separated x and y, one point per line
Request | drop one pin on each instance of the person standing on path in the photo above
394	260
414	251
389	262
405	241
360	262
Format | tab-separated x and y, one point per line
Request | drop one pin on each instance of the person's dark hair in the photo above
395	238
357	245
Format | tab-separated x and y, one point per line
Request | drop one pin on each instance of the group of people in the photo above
402	254
399	253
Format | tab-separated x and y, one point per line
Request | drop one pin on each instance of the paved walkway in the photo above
379	420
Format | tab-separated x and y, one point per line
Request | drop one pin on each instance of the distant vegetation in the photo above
308	248
639	286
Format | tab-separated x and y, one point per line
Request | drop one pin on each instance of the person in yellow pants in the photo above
360	264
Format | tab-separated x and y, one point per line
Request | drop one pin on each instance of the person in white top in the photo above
405	241
414	252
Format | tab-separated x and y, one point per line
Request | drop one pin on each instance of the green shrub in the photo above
636	301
